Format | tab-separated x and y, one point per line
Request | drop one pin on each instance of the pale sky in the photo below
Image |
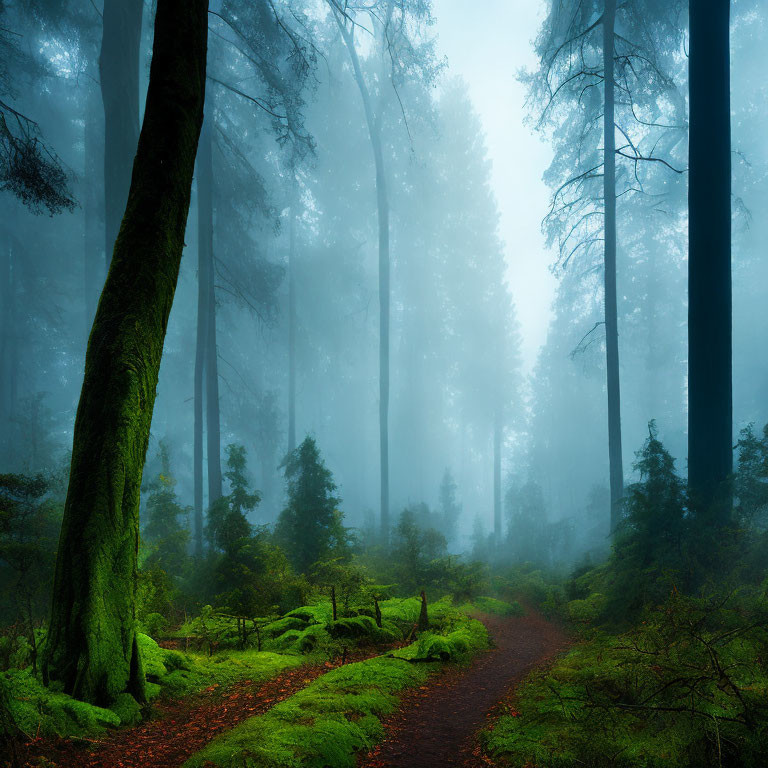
487	44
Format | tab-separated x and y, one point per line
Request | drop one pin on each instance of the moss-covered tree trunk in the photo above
92	646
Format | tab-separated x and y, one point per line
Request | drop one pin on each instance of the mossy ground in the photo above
308	634
337	716
35	709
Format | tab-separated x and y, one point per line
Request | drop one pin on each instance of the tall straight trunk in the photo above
119	74
93	261
373	122
8	362
292	319
616	468
203	256
213	415
710	396
497	477
92	647
206	274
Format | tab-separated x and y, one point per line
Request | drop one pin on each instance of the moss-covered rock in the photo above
281	626
152	657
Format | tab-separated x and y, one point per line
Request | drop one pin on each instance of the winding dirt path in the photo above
436	725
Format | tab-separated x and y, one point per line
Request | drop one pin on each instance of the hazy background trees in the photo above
293	276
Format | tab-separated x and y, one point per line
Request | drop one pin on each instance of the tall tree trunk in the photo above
119	74
203	254
207	309
497	477
213	415
92	259
710	396
373	122
292	318
616	468
8	363
91	647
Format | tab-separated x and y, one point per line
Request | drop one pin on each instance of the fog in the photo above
492	330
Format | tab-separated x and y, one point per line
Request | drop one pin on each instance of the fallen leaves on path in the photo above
177	729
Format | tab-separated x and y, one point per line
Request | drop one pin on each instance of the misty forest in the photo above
382	384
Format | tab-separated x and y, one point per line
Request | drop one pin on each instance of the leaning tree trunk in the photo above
710	397
373	122
119	75
616	469
92	648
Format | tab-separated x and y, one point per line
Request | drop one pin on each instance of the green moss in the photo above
326	724
687	687
127	709
279	627
200	671
152	657
34	708
587	610
339	714
320	613
361	629
495	607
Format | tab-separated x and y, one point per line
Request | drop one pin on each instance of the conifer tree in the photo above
310	527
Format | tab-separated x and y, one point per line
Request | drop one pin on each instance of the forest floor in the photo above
177	728
436	726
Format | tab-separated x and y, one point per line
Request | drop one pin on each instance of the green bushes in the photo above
495	607
687	687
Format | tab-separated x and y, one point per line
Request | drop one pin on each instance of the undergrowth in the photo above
686	687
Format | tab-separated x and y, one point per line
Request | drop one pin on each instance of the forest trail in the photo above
178	728
435	726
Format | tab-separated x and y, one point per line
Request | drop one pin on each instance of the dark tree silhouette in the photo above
710	399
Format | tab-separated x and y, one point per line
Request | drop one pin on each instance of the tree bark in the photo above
616	468
92	648
119	74
92	257
373	122
213	412
292	319
497	477
423	615
207	311
204	251
8	362
710	396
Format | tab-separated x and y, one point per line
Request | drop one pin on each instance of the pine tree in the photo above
310	527
166	529
227	518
